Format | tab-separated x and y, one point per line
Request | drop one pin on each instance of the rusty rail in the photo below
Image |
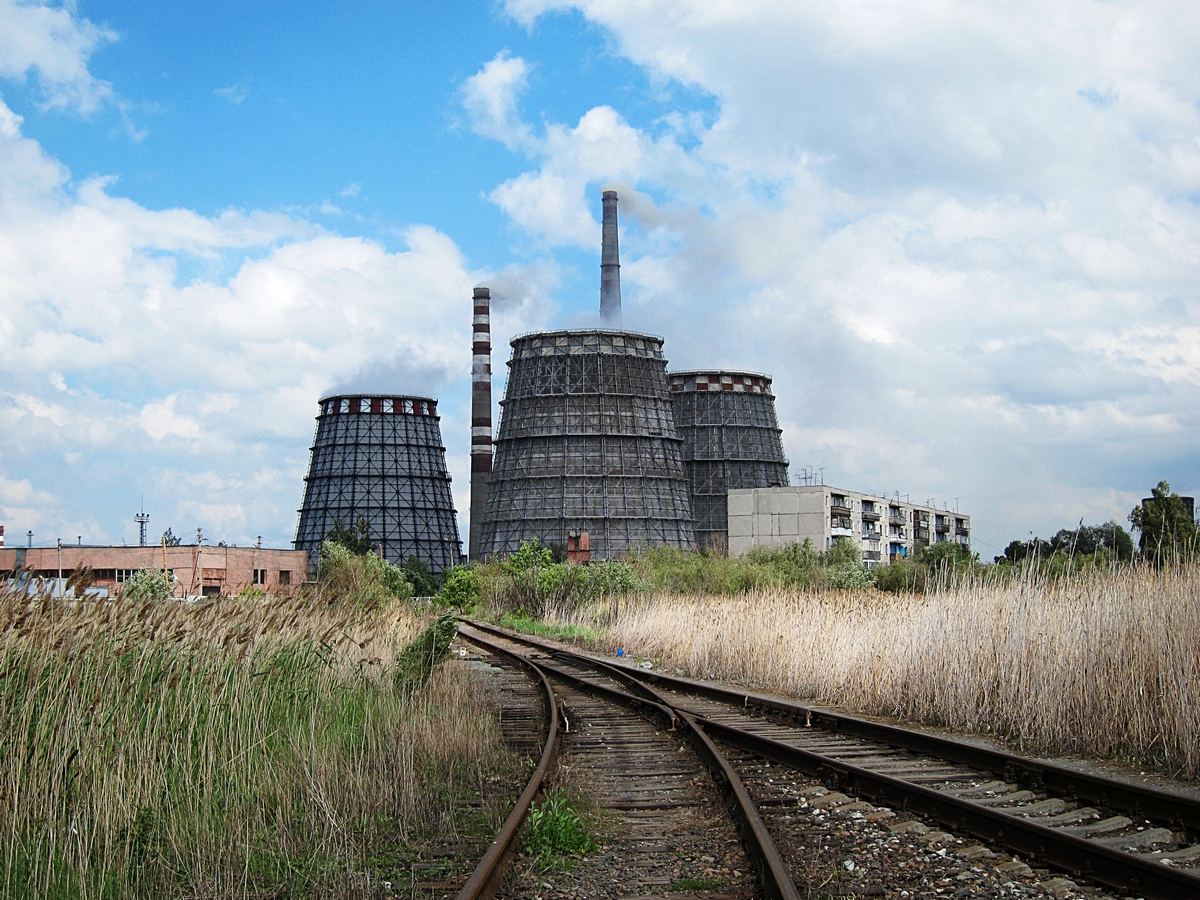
490	871
773	875
1115	868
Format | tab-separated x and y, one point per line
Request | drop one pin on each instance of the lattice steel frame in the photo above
587	442
731	439
381	457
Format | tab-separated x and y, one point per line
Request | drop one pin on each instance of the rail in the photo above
1145	875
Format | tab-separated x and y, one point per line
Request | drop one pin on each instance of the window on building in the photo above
124	575
260	576
285	577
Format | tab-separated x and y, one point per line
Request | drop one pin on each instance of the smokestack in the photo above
610	265
481	415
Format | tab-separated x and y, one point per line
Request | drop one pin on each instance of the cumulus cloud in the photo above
490	98
962	237
53	43
115	368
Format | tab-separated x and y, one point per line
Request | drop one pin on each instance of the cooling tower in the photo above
381	457
730	440
587	442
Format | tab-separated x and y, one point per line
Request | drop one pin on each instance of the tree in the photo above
1166	529
420	576
357	539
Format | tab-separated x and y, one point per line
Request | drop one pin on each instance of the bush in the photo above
416	663
901	576
147	585
462	588
609	577
368	581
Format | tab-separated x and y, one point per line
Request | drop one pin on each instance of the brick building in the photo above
196	570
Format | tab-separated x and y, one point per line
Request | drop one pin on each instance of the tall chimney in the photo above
481	415
610	265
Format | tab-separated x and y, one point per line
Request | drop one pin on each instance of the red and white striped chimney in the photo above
481	415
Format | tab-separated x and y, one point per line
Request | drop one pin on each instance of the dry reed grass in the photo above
1100	664
224	749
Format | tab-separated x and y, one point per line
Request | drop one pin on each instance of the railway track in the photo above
1138	840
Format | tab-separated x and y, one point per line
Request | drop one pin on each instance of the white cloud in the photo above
115	368
56	44
963	237
490	98
234	93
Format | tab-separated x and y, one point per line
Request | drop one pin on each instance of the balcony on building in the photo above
871	531
839	505
839	526
872	556
941	528
896	516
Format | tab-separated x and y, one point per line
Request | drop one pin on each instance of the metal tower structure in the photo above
730	440
381	458
587	443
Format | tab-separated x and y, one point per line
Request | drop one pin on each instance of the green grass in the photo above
556	830
695	884
527	625
227	749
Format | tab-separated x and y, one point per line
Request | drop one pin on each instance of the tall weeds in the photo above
1104	664
223	749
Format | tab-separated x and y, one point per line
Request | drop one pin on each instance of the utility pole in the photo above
60	584
30	533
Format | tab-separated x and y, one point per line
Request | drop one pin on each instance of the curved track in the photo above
1125	836
641	764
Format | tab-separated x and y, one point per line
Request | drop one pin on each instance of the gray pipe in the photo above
610	265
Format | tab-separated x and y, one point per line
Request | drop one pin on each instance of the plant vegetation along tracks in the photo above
1122	835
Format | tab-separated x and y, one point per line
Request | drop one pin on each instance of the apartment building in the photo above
887	529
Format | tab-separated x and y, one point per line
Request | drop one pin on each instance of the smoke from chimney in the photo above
610	265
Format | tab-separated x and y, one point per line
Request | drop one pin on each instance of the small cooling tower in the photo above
381	457
587	442
730	440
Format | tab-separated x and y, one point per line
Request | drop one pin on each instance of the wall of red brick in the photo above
224	570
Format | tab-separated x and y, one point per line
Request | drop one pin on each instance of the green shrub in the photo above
416	663
368	581
462	588
146	585
901	576
608	577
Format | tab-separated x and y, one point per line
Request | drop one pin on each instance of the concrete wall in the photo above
773	517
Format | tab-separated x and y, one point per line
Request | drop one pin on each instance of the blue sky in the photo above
963	238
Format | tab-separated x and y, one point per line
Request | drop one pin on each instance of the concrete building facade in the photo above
886	529
196	570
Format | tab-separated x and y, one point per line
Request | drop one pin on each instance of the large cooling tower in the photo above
730	440
587	442
381	457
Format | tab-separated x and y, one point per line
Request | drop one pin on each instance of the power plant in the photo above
731	441
598	449
380	458
587	444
